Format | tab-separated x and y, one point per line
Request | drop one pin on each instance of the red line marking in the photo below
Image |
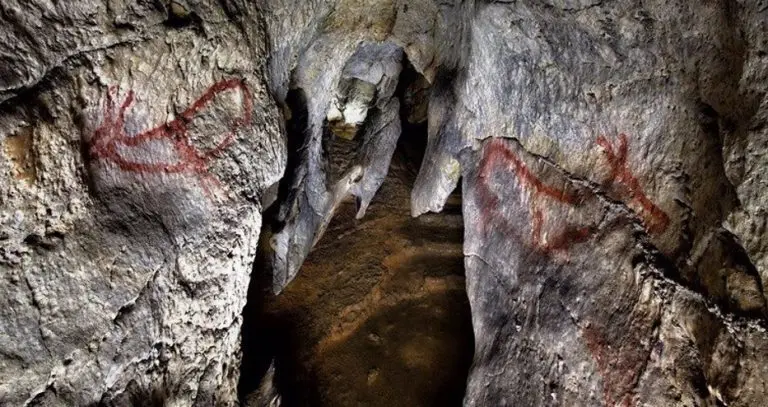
497	151
570	235
110	135
497	155
655	220
619	367
538	219
622	364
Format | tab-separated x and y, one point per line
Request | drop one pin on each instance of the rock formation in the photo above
611	157
378	312
138	141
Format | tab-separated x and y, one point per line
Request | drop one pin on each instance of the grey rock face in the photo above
137	142
600	216
366	86
611	157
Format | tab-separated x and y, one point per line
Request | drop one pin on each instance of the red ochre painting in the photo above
497	157
655	220
620	368
111	139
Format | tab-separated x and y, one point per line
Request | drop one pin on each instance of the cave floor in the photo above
378	315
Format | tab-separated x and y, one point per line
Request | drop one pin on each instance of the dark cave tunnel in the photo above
379	310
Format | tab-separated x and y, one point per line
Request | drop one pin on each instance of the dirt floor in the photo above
378	315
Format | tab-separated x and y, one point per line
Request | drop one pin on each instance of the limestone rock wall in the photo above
137	140
607	252
611	157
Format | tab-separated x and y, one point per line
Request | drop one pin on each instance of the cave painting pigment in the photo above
620	367
497	156
110	141
655	220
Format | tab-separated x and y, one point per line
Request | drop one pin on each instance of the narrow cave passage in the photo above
378	315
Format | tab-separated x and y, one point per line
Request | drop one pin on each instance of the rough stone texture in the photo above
137	140
343	81
746	144
366	84
611	157
593	141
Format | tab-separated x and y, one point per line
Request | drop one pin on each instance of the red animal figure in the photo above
655	220
110	137
496	156
621	366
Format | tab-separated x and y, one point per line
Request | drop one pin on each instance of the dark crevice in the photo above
297	138
413	92
258	330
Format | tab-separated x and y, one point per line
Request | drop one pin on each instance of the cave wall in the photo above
605	263
611	156
137	140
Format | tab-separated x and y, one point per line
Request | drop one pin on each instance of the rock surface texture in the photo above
611	155
137	141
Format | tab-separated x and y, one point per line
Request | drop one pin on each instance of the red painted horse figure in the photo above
110	138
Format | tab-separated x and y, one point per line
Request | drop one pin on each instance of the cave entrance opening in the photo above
378	313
